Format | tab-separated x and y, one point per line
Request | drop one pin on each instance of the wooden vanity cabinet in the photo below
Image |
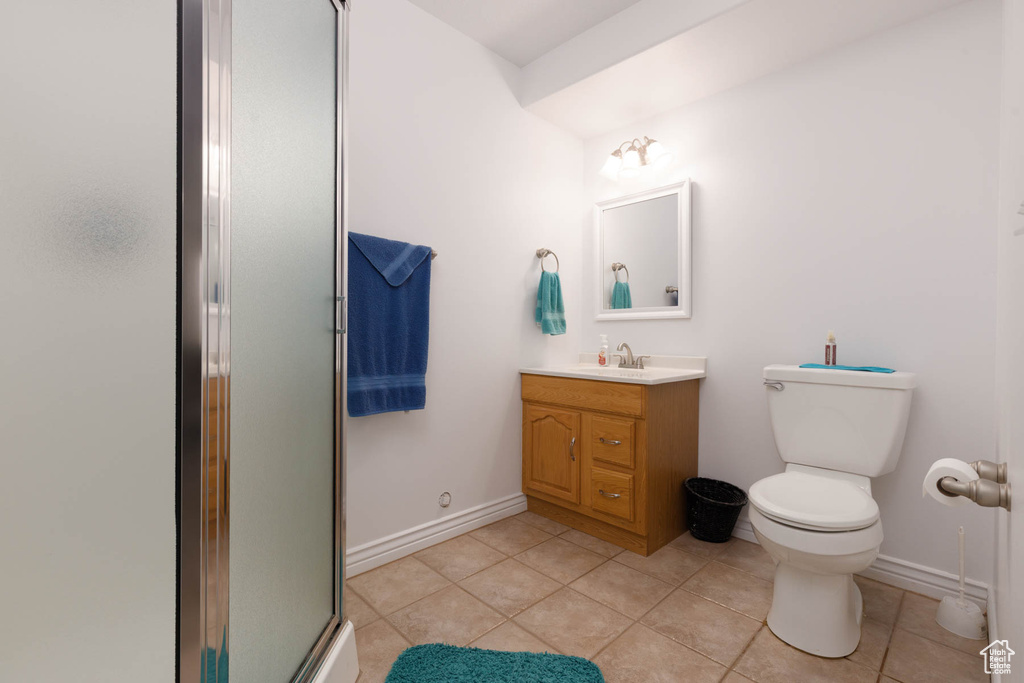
610	458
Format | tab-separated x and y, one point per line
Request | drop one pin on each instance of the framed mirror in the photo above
643	255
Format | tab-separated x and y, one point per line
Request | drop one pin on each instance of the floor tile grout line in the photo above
554	649
612	641
612	557
732	667
521	551
394	626
537	526
731	609
655	606
604	604
468	534
939	643
504	557
536	569
365	601
532	604
504	620
689	647
419	599
899	614
892	634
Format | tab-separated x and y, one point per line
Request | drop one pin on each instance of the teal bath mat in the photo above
450	664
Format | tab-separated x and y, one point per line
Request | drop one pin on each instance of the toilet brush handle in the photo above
960	543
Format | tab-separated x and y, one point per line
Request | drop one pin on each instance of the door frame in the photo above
203	343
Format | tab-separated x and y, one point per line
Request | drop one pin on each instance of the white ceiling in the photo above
656	55
522	30
751	40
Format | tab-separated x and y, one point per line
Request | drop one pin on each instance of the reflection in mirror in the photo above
641	247
621	296
644	255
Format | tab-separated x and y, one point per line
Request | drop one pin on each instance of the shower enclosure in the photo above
261	338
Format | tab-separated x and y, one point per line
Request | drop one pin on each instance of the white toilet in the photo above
834	429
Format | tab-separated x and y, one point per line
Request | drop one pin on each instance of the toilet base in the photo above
816	613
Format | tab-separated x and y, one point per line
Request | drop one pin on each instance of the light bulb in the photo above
658	155
612	165
630	163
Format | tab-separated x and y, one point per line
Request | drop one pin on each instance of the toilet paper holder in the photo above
991	490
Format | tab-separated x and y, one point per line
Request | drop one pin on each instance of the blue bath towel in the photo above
621	296
856	368
388	321
550	312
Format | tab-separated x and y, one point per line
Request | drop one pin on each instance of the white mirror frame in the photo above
683	308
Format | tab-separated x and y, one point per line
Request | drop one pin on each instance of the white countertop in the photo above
657	370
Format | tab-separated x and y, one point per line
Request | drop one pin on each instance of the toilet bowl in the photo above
817	519
817	548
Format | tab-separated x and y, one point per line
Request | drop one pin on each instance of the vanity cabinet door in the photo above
551	452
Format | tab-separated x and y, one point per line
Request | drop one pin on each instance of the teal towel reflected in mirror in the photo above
621	298
550	313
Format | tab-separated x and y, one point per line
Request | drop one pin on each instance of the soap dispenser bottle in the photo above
830	348
602	353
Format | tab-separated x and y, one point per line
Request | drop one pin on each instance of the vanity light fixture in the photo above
626	163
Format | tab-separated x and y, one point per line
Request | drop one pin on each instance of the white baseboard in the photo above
396	546
744	530
342	662
917	578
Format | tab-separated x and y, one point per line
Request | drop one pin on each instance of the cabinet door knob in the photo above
572	449
609	442
609	495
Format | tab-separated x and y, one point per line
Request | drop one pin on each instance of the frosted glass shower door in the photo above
284	213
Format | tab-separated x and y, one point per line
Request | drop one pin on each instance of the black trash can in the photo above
712	508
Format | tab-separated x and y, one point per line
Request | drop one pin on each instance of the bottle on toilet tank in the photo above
830	348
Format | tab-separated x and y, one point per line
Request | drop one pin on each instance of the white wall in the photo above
442	154
87	349
857	192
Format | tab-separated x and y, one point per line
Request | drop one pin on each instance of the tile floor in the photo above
692	611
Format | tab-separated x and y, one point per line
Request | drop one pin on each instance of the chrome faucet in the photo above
628	361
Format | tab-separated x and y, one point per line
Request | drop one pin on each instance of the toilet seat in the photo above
813	502
819	544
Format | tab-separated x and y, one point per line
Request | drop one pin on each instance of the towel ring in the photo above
617	267
541	253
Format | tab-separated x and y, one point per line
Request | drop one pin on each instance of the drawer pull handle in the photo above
609	442
572	449
609	495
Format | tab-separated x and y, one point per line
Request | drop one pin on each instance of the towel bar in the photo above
433	254
541	253
617	267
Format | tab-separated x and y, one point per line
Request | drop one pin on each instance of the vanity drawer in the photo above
612	440
612	493
586	394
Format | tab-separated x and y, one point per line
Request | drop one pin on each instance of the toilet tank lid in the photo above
848	378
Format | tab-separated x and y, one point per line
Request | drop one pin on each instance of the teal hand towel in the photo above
550	314
856	368
621	297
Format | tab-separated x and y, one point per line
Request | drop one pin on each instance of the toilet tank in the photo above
838	419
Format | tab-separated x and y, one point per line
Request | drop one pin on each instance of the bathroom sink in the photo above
659	370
